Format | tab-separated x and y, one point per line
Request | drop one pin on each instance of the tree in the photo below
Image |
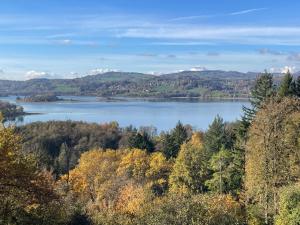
226	177
112	185
64	159
26	193
172	142
190	170
286	86
180	209
262	90
179	135
272	153
296	87
158	173
141	141
134	164
289	206
214	137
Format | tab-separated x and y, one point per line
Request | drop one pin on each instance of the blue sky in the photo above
64	38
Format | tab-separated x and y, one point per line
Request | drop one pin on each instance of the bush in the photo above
196	209
289	206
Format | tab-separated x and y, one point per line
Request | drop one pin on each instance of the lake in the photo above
137	112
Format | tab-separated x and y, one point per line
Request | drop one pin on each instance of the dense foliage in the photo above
205	84
10	111
104	174
39	98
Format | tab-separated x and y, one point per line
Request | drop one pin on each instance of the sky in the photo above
74	38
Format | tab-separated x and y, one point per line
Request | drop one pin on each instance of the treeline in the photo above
204	84
39	98
245	172
10	111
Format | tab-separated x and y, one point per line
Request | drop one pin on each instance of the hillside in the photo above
210	83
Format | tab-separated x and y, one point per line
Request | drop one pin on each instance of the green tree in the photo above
199	209
272	153
64	159
296	87
171	142
190	170
227	176
286	86
215	137
141	141
262	89
289	206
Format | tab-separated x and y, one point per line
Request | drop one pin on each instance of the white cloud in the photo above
101	71
1	71
294	57
193	17
242	12
80	28
155	73
259	35
247	11
266	51
198	68
66	42
32	74
183	43
286	69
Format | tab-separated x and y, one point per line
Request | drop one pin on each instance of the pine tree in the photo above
215	135
286	86
64	160
141	141
263	89
179	135
297	86
227	168
173	141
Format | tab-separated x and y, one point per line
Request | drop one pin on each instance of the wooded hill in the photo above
204	84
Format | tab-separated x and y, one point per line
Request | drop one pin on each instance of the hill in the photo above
205	84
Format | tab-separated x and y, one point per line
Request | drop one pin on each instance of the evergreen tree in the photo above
227	172
64	159
297	87
263	89
287	86
173	141
215	135
168	147
179	135
141	141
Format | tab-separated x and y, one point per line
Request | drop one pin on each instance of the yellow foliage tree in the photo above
190	170
134	164
23	188
93	178
272	153
131	198
110	181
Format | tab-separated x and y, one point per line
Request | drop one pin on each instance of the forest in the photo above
10	111
245	172
39	98
201	84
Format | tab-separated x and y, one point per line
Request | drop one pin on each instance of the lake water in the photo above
162	114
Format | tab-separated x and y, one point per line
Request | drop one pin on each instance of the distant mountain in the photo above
206	84
211	74
116	76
